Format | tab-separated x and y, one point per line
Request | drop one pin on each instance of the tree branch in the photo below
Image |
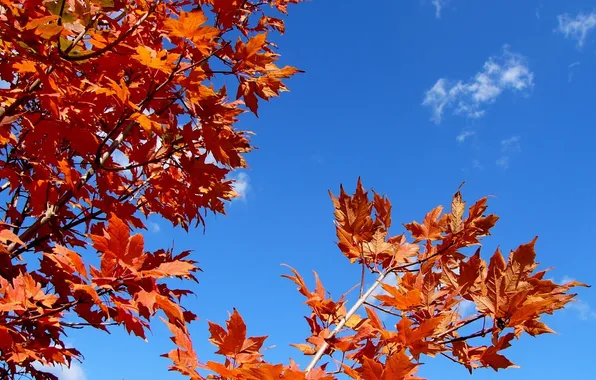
343	321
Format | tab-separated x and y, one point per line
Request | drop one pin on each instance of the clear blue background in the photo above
358	112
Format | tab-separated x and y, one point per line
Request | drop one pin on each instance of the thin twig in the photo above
462	324
474	335
382	309
450	358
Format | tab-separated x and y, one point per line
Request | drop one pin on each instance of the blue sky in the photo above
414	96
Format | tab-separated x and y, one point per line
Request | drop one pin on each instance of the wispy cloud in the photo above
508	71
538	9
477	165
509	146
153	227
438	7
503	162
466	308
583	309
577	27
241	184
464	135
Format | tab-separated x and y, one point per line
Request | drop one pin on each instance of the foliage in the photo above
112	110
433	280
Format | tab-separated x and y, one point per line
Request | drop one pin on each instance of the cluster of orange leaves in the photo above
433	279
111	110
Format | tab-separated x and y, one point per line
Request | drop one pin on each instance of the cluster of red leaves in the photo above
113	109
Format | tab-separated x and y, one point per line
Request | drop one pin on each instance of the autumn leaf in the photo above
457	212
189	25
430	229
156	60
146	122
7	235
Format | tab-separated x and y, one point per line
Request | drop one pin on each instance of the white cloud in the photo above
466	308
566	279
509	146
512	144
75	372
503	162
577	28
153	227
508	71
241	184
438	7
464	135
477	165
538	11
583	310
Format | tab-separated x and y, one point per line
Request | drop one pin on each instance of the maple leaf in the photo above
156	60
495	300
176	268
7	235
371	369
189	25
457	212
399	299
245	52
117	246
430	229
132	324
184	357
521	261
398	366
25	67
492	358
170	308
233	342
71	259
146	123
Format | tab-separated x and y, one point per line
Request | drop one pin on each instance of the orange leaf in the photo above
430	229
7	235
74	258
398	366
189	26
171	309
